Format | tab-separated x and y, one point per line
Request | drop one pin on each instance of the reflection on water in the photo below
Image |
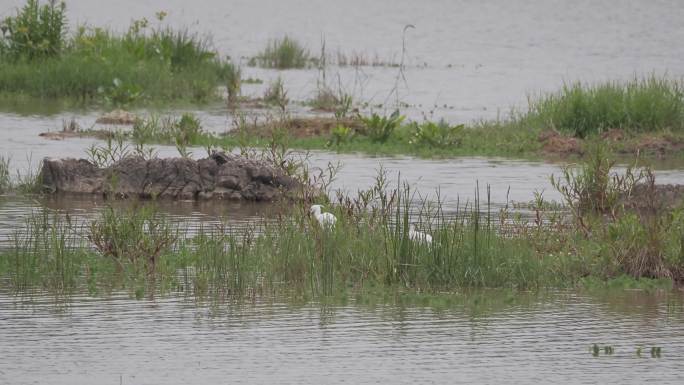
481	338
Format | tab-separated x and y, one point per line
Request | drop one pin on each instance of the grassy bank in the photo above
545	131
596	237
146	64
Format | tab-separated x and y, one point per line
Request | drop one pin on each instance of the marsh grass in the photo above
283	53
276	94
5	181
582	110
145	64
368	249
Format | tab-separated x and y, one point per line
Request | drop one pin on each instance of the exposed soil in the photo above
119	117
555	143
660	146
622	142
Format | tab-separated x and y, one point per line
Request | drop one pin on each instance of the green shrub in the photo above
35	32
594	187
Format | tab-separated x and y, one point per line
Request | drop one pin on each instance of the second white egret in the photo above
420	237
324	219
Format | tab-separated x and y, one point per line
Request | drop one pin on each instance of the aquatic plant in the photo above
276	94
5	181
326	99
233	83
379	128
283	54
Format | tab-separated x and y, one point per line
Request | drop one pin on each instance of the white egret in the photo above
324	219
420	237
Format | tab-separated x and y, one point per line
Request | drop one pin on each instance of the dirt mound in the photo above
119	117
557	144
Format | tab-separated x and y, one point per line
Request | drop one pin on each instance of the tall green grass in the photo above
145	64
647	104
283	54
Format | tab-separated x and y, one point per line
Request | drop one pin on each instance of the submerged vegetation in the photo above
145	64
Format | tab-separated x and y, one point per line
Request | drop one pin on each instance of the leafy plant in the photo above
440	134
340	135
36	31
379	128
187	129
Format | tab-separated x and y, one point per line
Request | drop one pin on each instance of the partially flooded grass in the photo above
145	64
369	248
283	53
582	110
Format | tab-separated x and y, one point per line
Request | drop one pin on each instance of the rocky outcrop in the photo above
220	176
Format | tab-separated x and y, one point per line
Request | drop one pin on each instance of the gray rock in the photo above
220	176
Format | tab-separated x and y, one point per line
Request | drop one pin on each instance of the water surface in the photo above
482	338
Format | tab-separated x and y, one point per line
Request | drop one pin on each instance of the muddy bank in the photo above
658	145
220	176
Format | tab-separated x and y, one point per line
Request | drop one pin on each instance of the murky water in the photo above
479	59
483	338
466	60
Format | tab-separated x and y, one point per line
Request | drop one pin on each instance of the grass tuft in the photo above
582	110
283	53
